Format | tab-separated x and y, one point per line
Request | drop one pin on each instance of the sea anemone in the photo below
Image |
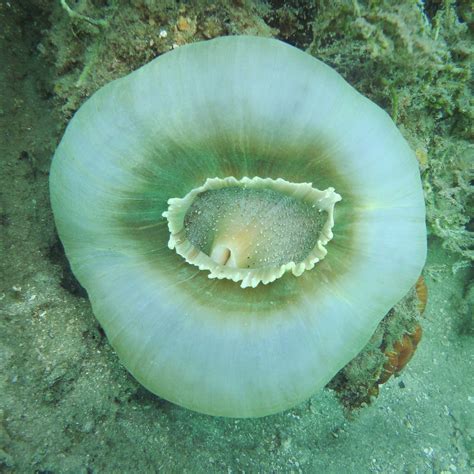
199	203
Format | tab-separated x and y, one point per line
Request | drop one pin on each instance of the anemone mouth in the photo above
252	230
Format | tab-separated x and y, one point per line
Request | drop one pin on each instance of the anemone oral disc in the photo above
238	108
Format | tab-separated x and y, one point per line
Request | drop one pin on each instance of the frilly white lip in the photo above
251	277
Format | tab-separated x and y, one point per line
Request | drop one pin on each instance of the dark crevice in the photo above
68	281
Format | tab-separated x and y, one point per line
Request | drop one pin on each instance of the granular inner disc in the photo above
253	228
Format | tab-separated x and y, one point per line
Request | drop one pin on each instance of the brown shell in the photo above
422	294
401	354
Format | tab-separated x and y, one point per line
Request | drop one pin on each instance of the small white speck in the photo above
163	34
428	451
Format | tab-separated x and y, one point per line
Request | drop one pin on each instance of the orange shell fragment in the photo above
422	294
401	354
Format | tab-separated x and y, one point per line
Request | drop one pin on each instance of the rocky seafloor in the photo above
66	403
